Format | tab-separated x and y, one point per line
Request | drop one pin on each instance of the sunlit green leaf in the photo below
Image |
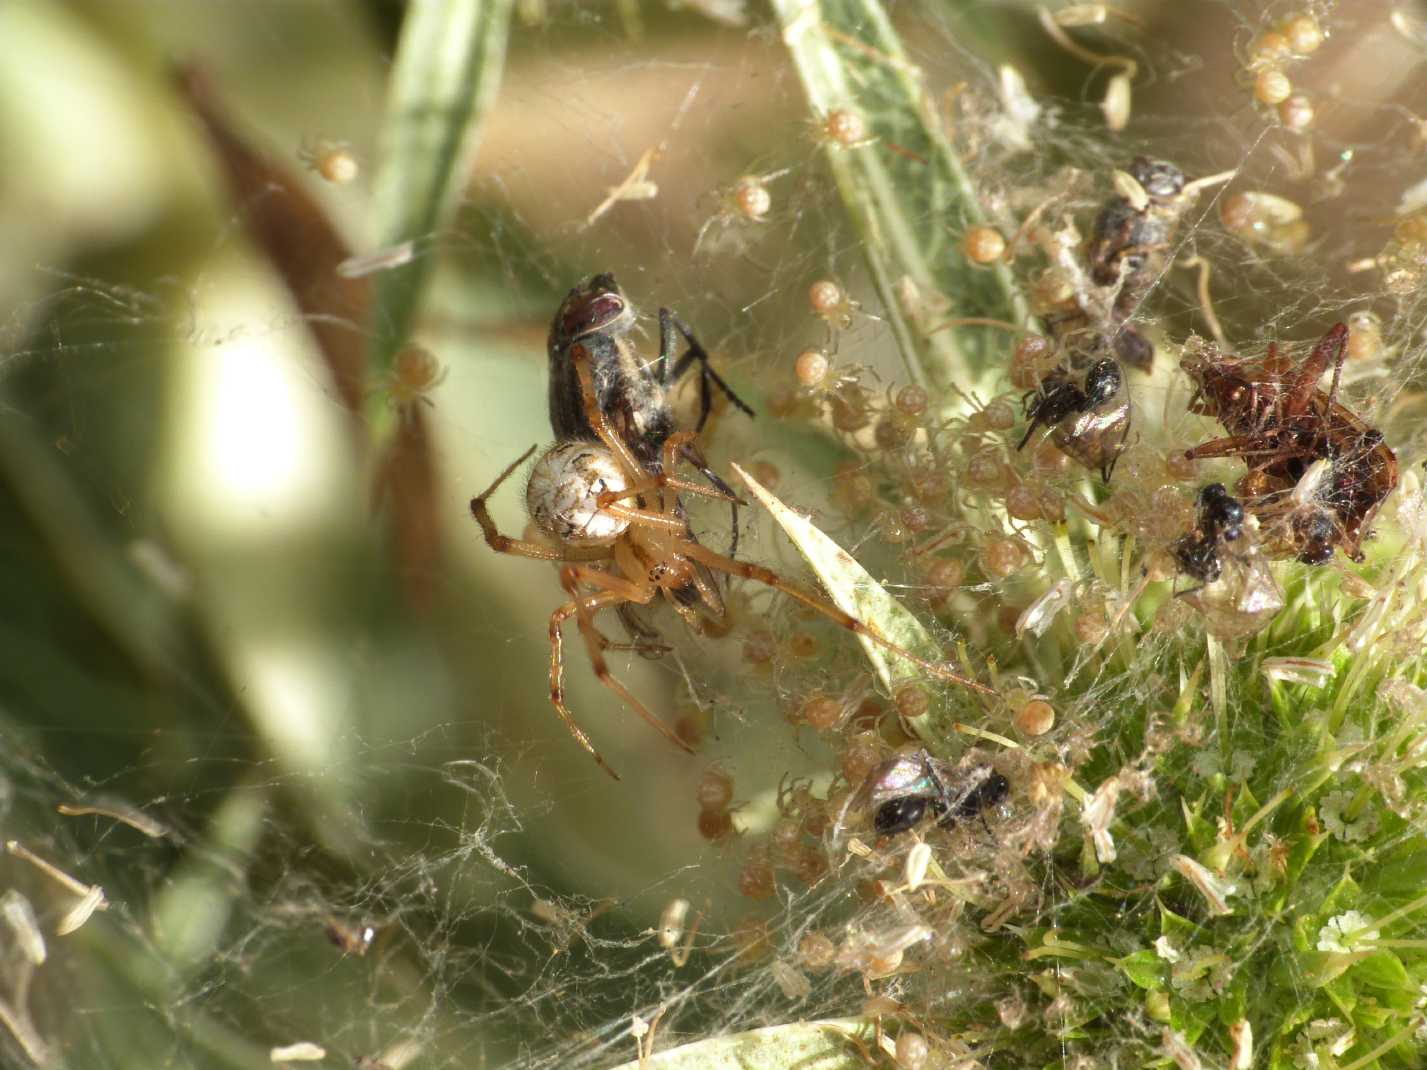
855	592
826	1045
448	68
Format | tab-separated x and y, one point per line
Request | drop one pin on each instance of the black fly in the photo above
1220	519
1089	420
633	393
903	791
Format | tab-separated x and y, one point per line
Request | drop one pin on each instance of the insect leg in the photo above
1304	382
668	322
1233	446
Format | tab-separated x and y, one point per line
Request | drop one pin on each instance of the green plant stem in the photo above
447	71
904	189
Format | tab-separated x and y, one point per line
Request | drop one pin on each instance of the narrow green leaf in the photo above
855	592
1145	968
904	188
1382	969
1319	968
824	1045
448	67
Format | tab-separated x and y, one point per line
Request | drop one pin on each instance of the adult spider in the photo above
622	539
1280	422
632	396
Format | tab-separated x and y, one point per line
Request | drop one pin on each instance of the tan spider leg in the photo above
504	544
768	577
616	445
672	445
617	589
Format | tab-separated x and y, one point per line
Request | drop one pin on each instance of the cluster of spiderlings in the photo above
1271	55
837	394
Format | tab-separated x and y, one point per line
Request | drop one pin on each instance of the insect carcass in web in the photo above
1088	417
903	791
1220	520
1237	593
1282	424
1131	243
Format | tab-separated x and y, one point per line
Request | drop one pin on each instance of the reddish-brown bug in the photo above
1280	422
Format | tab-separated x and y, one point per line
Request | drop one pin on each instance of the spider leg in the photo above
616	590
696	552
557	686
660	481
581	357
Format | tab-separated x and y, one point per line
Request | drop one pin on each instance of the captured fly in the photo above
901	792
633	393
1089	419
1220	519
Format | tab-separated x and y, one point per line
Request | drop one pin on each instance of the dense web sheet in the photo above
321	787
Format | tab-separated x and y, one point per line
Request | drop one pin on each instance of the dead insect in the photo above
1221	518
1089	420
1280	422
622	538
1238	593
632	394
1130	244
901	792
350	939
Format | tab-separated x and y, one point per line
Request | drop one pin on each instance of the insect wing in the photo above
901	777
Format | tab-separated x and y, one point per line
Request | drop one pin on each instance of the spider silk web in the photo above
207	624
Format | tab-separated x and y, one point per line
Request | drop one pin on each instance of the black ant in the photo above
1090	421
1220	518
905	789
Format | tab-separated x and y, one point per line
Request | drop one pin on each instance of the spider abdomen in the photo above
564	489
